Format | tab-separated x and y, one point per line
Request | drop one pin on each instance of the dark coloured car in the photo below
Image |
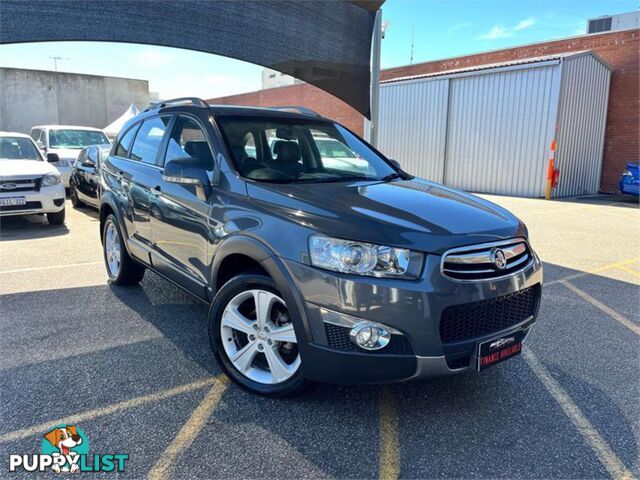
341	272
84	181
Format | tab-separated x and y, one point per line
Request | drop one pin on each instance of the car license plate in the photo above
493	352
12	201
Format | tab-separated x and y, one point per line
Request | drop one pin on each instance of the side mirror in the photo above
88	163
396	164
188	171
53	157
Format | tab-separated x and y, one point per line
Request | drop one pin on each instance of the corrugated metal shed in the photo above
489	128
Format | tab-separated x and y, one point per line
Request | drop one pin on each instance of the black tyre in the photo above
56	218
121	268
73	194
253	339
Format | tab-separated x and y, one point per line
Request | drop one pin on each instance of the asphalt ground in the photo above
132	368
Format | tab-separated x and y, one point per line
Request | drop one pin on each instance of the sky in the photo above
439	28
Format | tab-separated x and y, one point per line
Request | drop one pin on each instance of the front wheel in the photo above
75	201
56	218
253	339
121	268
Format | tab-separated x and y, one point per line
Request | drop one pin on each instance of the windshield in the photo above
18	148
76	138
300	151
333	149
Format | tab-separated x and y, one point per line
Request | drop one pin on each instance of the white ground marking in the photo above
590	435
49	267
603	308
108	410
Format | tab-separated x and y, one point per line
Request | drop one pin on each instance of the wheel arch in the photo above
107	207
270	263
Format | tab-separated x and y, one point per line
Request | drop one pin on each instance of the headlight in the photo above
51	179
627	173
360	258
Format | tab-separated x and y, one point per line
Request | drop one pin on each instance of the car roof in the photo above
67	127
227	110
286	112
236	110
14	134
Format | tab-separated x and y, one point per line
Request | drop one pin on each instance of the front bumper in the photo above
414	308
46	200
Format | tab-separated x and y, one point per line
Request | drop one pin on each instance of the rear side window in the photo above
189	141
124	147
147	143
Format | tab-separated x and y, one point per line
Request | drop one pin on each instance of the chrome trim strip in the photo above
485	256
349	321
482	246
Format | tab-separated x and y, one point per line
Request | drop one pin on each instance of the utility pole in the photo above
55	62
413	37
376	44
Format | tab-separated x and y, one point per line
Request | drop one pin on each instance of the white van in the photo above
65	142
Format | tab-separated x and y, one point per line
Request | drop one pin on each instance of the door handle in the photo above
157	190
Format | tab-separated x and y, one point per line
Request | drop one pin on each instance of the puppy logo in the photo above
68	443
65	449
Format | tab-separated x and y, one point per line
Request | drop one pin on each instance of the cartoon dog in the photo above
64	439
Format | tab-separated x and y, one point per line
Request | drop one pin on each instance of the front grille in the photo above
22	185
338	338
482	262
17	208
473	320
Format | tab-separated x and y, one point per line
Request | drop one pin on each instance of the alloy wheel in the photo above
258	337
112	249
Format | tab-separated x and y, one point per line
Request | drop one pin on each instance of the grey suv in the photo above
344	272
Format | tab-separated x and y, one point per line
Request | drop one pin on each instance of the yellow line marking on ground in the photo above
629	270
189	431
603	308
50	267
99	412
615	265
604	268
591	436
389	440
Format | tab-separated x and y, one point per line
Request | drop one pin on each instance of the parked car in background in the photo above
313	273
28	183
84	182
335	154
630	179
62	143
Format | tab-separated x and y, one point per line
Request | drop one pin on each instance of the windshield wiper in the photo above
392	176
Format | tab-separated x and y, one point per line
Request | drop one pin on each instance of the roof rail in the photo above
305	110
195	101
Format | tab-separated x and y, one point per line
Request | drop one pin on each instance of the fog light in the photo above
370	336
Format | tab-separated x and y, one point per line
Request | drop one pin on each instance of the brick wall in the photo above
620	50
301	94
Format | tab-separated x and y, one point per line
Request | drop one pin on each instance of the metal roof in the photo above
492	66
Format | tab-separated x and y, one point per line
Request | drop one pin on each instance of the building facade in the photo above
38	97
619	50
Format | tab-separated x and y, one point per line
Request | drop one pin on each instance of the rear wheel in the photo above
56	218
253	338
121	268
